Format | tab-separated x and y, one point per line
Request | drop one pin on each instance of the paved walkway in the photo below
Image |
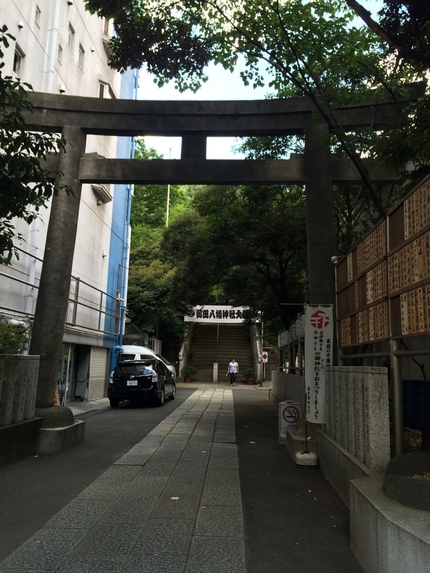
174	504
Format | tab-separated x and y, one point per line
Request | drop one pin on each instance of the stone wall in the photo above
358	413
18	384
287	387
18	427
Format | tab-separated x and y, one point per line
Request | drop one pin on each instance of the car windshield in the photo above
135	369
133	357
163	360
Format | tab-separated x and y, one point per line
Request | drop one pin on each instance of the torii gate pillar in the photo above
321	232
52	300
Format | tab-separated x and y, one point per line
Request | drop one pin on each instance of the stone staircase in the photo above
233	342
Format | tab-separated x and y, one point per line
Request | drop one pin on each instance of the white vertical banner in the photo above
318	355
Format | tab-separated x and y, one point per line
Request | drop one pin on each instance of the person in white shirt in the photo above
232	370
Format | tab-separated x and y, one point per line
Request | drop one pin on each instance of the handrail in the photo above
97	310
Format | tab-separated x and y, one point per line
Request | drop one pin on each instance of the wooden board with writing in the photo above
410	264
386	288
417	209
372	248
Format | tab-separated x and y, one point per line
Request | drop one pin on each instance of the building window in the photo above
81	56
37	16
60	54
105	90
70	37
18	61
105	27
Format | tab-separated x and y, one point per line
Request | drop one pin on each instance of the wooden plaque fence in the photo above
383	283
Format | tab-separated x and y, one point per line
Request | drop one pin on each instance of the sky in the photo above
222	85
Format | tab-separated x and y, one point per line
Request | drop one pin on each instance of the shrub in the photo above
13	336
188	371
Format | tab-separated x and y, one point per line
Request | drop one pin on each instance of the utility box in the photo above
289	414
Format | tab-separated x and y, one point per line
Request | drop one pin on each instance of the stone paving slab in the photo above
172	504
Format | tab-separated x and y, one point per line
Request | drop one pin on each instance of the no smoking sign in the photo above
291	414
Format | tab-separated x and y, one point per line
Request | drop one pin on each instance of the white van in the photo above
131	352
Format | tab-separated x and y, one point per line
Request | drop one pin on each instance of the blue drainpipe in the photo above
116	350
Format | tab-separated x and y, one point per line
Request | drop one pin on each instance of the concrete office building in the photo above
61	48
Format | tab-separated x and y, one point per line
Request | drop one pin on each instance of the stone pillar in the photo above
397	396
18	380
376	416
194	146
336	401
352	437
359	420
321	232
52	300
344	426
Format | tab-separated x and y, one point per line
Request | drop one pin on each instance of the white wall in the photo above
42	69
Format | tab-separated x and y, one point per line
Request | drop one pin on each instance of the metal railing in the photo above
89	307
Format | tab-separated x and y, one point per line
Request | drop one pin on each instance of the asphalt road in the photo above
294	521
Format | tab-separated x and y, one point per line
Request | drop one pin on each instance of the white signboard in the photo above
217	314
318	355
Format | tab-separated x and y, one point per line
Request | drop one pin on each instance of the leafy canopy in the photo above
404	25
292	42
149	206
151	273
247	243
298	47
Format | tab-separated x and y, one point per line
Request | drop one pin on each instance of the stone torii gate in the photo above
76	117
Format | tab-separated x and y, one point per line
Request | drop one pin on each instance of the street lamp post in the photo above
168	194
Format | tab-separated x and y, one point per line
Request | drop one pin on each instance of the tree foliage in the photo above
308	45
13	336
149	287
25	184
404	25
307	48
151	273
149	206
311	48
248	243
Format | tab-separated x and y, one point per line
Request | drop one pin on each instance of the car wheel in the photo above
162	398
173	396
114	402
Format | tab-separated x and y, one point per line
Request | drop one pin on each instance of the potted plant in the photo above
250	376
188	372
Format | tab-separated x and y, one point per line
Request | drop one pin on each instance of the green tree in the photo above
248	243
13	336
150	280
25	184
307	48
149	287
149	205
404	26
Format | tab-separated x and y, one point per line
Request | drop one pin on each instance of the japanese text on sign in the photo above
318	353
223	314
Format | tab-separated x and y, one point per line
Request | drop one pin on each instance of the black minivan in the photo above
145	379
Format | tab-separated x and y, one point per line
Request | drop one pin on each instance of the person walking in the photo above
232	370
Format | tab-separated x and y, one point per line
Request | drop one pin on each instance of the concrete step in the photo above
233	341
